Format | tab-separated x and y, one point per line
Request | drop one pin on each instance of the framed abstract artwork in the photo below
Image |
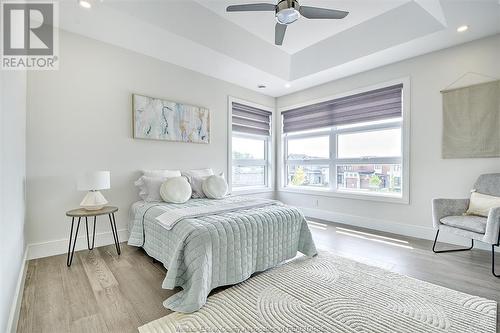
159	119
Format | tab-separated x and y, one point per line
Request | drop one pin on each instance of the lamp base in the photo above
94	200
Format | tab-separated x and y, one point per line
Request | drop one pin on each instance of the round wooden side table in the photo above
79	213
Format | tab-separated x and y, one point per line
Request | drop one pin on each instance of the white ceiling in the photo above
239	47
304	32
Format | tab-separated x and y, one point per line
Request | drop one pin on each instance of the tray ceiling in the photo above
239	47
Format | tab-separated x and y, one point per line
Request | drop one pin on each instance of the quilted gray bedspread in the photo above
206	252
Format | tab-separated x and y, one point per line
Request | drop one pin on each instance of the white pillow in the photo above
480	204
163	174
197	173
196	184
150	188
215	187
195	178
175	190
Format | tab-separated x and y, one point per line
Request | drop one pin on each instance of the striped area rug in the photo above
329	293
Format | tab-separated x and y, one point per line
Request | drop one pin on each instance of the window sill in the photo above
251	190
326	192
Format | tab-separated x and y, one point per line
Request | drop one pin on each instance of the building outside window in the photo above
357	141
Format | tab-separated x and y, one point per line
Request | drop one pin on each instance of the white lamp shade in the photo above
94	181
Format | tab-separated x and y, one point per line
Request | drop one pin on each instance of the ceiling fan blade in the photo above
279	33
252	7
321	13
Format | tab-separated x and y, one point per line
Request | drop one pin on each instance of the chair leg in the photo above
493	261
453	250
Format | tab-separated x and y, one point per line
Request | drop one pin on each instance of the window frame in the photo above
333	161
269	144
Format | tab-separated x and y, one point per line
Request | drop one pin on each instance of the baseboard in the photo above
60	246
18	296
390	226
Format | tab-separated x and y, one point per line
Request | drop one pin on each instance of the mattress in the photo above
206	252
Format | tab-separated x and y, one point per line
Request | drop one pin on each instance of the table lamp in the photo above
93	182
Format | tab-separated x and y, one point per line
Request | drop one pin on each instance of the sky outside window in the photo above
247	148
309	148
383	143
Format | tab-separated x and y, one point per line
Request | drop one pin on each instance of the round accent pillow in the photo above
175	190
215	187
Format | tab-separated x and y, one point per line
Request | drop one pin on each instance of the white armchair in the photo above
448	215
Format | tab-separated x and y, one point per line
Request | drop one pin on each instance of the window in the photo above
249	160
308	148
376	143
250	147
355	141
308	157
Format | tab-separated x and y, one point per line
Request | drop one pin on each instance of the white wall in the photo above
430	175
12	187
80	118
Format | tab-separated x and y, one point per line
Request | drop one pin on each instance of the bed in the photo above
211	250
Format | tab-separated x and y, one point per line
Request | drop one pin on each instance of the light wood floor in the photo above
103	292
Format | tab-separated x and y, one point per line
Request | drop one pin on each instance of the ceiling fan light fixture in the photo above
287	16
85	4
286	12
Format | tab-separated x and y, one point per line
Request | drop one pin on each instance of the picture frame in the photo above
161	119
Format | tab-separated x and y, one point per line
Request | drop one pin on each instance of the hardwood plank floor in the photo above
104	292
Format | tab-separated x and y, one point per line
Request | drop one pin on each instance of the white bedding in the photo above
217	207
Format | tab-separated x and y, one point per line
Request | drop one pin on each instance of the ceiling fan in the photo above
287	12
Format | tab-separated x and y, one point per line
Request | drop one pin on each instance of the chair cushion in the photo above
470	223
480	204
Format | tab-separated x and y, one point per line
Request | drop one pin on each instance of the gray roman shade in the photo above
250	120
372	105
